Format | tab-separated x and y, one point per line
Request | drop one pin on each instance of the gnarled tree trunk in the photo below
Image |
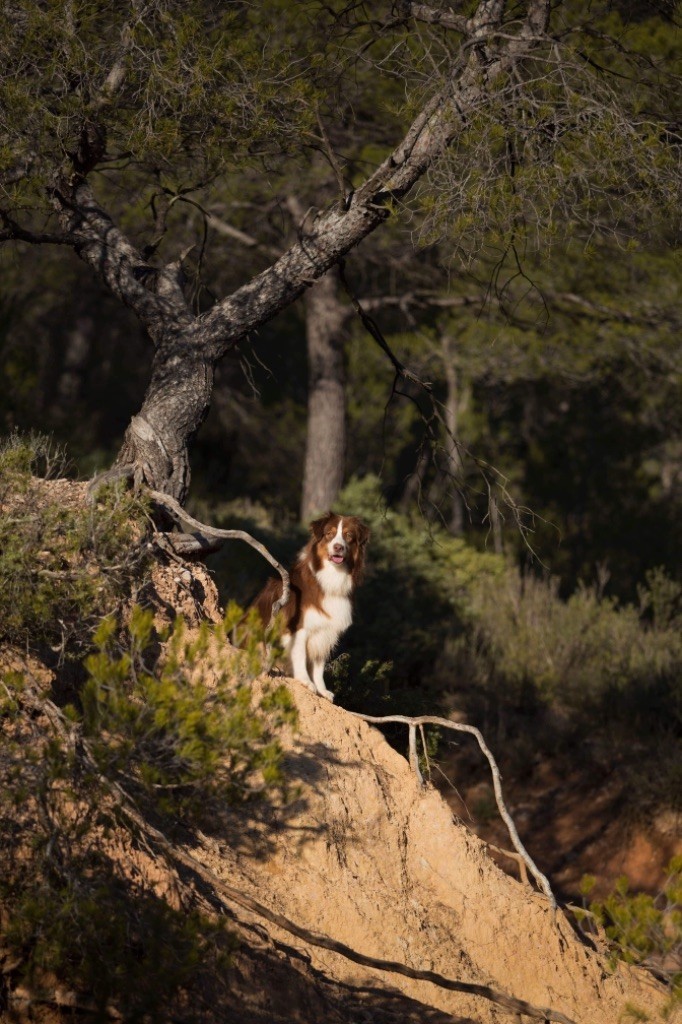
175	405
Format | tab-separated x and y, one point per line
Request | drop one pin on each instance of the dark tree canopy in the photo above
522	123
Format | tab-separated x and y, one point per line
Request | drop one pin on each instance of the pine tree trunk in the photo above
326	433
455	403
177	400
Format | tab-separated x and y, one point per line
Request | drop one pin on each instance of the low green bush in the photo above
189	739
62	566
161	720
172	731
641	928
587	654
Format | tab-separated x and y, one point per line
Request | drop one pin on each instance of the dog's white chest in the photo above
324	626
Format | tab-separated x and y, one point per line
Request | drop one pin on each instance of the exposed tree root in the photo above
445	723
178	513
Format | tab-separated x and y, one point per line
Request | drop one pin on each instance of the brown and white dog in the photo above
319	609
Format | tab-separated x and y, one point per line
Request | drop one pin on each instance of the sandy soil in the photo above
368	857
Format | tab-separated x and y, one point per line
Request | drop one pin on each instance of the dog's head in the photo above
340	540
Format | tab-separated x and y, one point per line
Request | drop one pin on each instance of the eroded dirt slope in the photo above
367	857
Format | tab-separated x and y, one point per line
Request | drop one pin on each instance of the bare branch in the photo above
495	771
331	157
180	515
12	231
432	16
117	73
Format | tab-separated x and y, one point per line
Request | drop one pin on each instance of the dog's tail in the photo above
263	604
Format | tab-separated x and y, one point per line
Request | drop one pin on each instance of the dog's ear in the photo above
364	534
317	526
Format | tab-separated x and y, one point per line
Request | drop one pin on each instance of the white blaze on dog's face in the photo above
337	549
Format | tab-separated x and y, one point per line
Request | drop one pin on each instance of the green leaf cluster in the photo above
641	928
173	731
198	86
62	565
586	654
188	736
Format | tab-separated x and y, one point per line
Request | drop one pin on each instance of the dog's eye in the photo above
350	537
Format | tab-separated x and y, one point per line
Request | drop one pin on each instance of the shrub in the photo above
586	654
182	729
62	564
154	727
159	719
642	929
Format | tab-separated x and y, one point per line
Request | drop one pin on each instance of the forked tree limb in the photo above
445	723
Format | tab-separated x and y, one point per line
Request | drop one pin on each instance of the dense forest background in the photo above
526	505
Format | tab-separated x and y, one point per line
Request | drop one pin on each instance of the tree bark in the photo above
456	401
326	433
155	450
157	440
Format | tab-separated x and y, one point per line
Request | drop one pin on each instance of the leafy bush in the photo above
159	719
189	738
62	564
170	730
642	929
586	654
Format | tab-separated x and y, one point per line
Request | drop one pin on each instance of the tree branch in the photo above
178	513
432	16
12	231
117	263
495	771
332	234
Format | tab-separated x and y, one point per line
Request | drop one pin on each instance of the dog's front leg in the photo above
318	680
297	654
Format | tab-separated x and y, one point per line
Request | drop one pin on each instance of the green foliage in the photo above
62	565
197	86
643	929
165	722
586	654
189	737
160	720
108	937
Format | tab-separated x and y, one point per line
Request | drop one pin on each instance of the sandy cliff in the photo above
364	855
